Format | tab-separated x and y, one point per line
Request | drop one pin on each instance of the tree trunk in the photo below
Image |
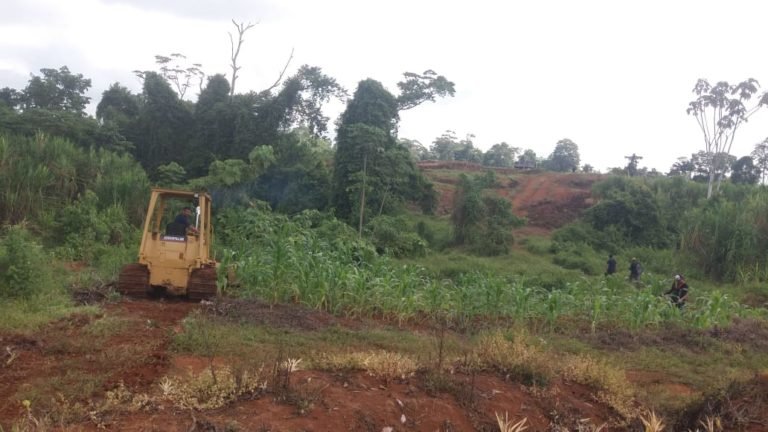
711	180
362	198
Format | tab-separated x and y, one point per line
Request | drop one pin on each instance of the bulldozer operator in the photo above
181	224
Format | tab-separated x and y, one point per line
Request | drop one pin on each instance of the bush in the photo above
24	266
85	230
579	256
391	235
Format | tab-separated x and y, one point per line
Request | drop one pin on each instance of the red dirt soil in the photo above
549	200
351	401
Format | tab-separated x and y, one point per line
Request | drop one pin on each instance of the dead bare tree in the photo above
282	73
235	52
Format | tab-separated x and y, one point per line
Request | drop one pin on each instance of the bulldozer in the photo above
174	258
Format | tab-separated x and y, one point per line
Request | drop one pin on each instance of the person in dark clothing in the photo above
634	270
183	219
611	265
678	294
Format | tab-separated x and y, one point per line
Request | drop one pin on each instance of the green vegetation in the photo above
349	231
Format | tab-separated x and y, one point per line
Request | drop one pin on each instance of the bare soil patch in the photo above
65	359
549	200
286	316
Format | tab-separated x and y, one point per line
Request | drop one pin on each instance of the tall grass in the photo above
41	173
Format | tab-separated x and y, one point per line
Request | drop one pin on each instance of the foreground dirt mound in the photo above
743	406
80	357
70	370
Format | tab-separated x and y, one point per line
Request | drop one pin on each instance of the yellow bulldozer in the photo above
174	256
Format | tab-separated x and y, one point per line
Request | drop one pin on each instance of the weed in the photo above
614	389
506	425
203	391
515	358
652	422
386	365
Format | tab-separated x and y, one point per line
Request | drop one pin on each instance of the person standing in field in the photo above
611	265
678	294
634	270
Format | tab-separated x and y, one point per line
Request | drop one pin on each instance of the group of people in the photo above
678	293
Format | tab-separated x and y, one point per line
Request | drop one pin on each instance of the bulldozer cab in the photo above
174	255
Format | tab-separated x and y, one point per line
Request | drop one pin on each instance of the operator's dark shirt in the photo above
611	266
181	219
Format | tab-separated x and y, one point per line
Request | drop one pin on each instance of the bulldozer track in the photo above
134	281
202	284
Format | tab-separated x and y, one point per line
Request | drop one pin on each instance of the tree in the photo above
501	155
565	157
170	174
163	129
118	106
175	69
313	89
587	168
683	167
417	89
366	129
11	98
744	171
719	111
418	151
445	146
372	172
527	160
235	51
760	155
448	147
484	221
57	90
632	165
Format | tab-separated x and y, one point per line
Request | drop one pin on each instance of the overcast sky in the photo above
613	76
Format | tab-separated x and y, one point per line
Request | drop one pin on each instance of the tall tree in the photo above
372	172
164	126
719	111
118	106
632	164
366	130
235	51
500	155
181	74
419	88
57	90
565	157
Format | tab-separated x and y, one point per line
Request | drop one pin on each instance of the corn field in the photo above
317	261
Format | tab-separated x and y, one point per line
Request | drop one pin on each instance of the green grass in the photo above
203	336
27	315
455	262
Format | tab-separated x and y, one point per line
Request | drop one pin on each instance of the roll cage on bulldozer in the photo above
174	258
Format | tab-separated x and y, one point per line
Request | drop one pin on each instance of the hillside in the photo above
549	200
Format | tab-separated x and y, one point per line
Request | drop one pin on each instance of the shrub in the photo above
24	266
392	236
578	257
85	229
